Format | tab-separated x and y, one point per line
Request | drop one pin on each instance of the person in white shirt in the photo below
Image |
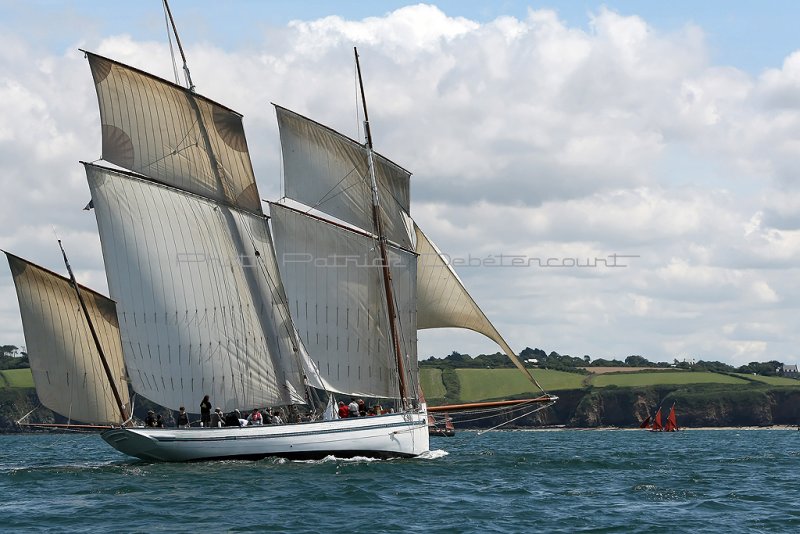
353	408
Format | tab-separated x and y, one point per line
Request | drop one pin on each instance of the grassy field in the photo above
481	384
663	377
16	378
771	380
431	379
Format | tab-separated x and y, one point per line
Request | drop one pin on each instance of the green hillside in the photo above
16	378
482	384
771	380
663	378
431	379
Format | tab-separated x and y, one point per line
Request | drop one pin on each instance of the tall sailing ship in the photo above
321	298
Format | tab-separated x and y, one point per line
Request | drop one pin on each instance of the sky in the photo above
609	178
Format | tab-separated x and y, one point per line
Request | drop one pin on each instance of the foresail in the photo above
443	301
200	303
334	285
65	364
329	172
172	135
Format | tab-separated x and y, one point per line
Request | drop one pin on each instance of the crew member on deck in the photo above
150	420
205	412
276	418
183	418
217	418
255	418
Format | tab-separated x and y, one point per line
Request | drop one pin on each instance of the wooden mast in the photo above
123	412
180	46
387	275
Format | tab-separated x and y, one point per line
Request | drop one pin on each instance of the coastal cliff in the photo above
705	406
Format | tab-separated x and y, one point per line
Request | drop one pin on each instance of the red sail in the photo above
657	427
645	423
672	421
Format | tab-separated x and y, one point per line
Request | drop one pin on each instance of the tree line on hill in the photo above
573	364
12	357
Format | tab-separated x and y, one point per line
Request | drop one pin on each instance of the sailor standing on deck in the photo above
205	412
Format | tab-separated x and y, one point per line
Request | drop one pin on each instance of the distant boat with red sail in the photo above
656	426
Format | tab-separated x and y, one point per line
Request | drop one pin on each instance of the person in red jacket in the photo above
344	411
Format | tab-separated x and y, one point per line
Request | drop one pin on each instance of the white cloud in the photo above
527	137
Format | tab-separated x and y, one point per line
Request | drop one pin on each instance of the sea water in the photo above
535	481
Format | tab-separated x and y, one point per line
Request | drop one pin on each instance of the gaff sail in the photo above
201	307
333	281
62	355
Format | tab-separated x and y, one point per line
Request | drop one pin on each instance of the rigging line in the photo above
492	412
180	47
537	409
27	414
171	49
488	413
324	198
177	150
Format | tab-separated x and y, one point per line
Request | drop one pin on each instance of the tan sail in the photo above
173	135
64	360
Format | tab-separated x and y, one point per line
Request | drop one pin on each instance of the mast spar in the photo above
123	412
180	46
387	275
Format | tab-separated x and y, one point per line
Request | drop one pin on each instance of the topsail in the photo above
328	171
173	135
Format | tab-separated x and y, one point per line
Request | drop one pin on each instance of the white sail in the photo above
200	304
329	172
334	283
170	134
64	360
443	301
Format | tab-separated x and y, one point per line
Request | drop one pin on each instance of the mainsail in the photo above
62	354
333	279
201	307
188	252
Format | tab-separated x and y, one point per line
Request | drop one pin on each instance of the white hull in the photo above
385	436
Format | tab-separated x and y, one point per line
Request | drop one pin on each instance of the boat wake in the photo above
433	455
